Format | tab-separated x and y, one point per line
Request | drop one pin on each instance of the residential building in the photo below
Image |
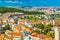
16	36
57	33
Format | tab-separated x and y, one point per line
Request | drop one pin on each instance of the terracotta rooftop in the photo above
27	27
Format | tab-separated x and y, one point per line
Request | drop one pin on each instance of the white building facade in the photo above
57	33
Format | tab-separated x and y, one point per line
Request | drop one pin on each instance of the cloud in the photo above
21	2
0	1
8	1
12	1
31	1
24	2
15	1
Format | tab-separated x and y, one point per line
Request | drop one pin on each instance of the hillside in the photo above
10	9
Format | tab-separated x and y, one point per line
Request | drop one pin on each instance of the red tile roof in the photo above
27	27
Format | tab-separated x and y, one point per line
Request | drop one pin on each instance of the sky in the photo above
29	2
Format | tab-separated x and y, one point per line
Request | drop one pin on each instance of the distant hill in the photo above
8	9
16	9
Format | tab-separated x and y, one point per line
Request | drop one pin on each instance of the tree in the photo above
50	34
7	26
49	25
47	28
38	28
